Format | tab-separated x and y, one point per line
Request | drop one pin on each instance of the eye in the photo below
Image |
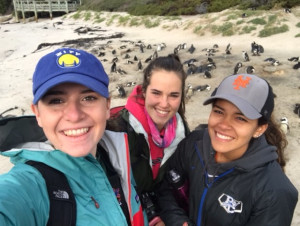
240	118
53	101
217	111
175	95
90	98
156	93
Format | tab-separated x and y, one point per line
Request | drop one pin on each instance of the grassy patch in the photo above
197	29
148	23
258	21
232	17
297	35
123	20
76	16
226	29
240	22
87	15
134	22
298	24
273	30
111	20
248	29
188	25
272	19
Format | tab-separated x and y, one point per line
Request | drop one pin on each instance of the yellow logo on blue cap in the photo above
68	59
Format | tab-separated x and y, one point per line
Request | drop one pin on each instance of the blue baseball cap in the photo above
250	93
69	65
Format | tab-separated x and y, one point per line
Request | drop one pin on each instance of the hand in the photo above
161	223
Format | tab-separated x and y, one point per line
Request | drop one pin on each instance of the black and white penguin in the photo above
284	125
250	69
237	68
121	91
245	56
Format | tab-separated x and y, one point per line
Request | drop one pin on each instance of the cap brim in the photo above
84	80
247	110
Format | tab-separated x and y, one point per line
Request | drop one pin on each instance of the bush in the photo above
298	24
260	21
273	30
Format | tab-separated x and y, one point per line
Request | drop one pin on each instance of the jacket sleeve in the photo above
23	197
275	207
171	213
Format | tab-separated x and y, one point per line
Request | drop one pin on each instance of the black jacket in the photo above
252	190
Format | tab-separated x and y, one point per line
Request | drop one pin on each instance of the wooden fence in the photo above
44	6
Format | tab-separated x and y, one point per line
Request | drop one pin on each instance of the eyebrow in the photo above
61	92
217	106
156	90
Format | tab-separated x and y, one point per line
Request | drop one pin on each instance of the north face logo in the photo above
230	204
59	194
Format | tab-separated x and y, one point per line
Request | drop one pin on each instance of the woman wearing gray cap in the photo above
234	167
71	104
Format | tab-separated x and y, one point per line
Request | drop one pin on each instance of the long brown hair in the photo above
275	137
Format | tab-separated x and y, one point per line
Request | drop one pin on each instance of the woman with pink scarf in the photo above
154	120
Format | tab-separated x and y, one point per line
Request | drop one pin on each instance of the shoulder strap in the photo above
61	197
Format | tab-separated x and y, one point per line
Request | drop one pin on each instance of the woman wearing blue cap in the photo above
234	167
71	104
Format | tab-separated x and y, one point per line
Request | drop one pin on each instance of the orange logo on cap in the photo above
240	82
68	60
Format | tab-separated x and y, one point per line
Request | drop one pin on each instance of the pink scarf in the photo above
169	131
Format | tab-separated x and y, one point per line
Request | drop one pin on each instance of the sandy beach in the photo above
19	54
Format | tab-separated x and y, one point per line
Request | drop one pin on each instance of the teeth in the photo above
223	137
75	132
162	112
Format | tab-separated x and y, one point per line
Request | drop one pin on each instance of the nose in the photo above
73	112
164	102
225	123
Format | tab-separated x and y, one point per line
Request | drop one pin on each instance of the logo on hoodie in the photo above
230	204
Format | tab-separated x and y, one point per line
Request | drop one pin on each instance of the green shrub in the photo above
273	30
123	20
248	29
226	29
77	15
134	22
239	22
272	19
87	16
111	20
298	24
297	35
260	21
197	29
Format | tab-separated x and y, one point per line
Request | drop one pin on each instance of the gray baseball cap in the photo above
250	93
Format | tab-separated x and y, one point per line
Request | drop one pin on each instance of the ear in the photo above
35	111
260	130
108	101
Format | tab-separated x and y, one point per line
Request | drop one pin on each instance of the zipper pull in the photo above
95	202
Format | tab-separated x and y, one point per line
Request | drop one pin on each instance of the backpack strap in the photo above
61	197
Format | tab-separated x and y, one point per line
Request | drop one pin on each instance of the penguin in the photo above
284	125
237	68
191	49
140	66
250	69
113	67
207	74
228	49
189	91
245	56
202	88
121	91
293	59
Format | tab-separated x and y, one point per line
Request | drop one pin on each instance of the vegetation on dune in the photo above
170	7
